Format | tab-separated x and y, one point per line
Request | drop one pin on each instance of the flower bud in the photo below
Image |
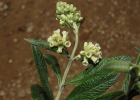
67	43
91	52
60	49
56	40
67	14
85	61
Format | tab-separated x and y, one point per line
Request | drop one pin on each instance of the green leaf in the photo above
133	93
138	60
116	95
38	93
138	49
119	66
95	75
92	88
126	83
42	71
95	67
46	45
53	62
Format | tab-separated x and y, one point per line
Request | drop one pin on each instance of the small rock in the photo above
23	7
22	94
3	6
15	40
2	93
29	60
115	3
48	13
28	91
100	4
30	28
10	61
41	12
19	85
86	31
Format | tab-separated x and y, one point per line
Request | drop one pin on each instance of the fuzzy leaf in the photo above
138	60
95	67
95	75
38	93
92	88
133	92
116	95
45	45
119	66
126	83
42	71
53	62
138	49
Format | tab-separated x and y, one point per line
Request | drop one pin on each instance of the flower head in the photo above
67	14
91	51
56	40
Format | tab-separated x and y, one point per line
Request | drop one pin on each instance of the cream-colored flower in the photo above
60	49
85	61
67	14
56	40
67	43
91	52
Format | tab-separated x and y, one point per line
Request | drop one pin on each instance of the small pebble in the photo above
21	94
86	31
15	40
10	61
30	28
23	7
2	93
29	60
3	6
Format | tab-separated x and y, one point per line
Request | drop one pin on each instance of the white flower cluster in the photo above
67	14
56	40
91	52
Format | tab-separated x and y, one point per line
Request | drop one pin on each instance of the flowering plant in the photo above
93	81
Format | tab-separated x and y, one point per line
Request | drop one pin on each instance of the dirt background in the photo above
114	24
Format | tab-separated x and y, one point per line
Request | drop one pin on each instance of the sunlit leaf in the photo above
92	88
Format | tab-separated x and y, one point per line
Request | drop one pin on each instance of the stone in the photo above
15	40
22	94
10	61
2	93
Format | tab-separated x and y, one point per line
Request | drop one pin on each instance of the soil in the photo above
114	24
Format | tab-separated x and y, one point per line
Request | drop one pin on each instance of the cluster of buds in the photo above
67	14
56	40
90	52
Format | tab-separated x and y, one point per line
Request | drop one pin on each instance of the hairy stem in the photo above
62	84
130	85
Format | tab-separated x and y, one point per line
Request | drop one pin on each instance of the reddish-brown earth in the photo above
114	24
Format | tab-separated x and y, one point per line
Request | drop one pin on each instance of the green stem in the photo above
131	83
62	84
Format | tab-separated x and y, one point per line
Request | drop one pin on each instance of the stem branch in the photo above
62	84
